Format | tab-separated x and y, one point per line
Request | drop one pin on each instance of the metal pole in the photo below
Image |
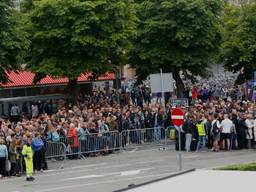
180	155
162	86
118	79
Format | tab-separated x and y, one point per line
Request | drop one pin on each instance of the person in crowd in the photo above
83	137
208	127
241	131
226	128
34	110
215	132
19	159
201	133
37	146
73	139
249	122
3	158
13	157
158	124
15	113
27	153
187	127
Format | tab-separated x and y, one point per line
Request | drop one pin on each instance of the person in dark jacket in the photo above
241	132
37	146
187	127
158	124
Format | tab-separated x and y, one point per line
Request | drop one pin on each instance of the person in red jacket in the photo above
73	140
194	93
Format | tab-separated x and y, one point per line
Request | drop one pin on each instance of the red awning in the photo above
25	79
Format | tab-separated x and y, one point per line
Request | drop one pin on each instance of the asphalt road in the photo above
116	171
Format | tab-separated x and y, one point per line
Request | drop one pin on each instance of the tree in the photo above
177	36
13	41
239	46
72	37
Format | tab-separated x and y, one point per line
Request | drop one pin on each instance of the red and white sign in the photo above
177	117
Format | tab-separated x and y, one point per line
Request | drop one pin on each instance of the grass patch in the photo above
239	167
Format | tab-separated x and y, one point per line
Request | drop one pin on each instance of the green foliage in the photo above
72	37
240	167
239	47
13	41
177	35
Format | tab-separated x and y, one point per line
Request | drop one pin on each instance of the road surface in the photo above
116	171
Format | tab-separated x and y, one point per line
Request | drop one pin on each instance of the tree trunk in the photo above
73	90
179	84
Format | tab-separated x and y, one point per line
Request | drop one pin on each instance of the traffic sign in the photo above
177	117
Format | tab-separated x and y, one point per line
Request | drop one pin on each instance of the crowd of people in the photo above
221	121
220	124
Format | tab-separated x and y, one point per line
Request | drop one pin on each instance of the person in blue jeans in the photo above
201	134
3	158
158	124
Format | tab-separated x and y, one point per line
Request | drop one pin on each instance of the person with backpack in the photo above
37	146
215	132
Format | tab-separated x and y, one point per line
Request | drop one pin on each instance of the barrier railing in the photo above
142	136
100	142
92	143
56	150
79	147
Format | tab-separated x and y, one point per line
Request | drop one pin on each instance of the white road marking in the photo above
129	173
82	166
96	168
83	177
103	182
124	173
83	170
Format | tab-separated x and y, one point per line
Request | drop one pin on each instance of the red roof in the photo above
25	78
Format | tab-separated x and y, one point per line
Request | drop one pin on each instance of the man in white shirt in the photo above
249	132
227	126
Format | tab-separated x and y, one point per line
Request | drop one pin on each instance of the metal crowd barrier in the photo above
55	150
154	135
91	144
79	147
99	142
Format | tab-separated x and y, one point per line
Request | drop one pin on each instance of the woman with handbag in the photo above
3	158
